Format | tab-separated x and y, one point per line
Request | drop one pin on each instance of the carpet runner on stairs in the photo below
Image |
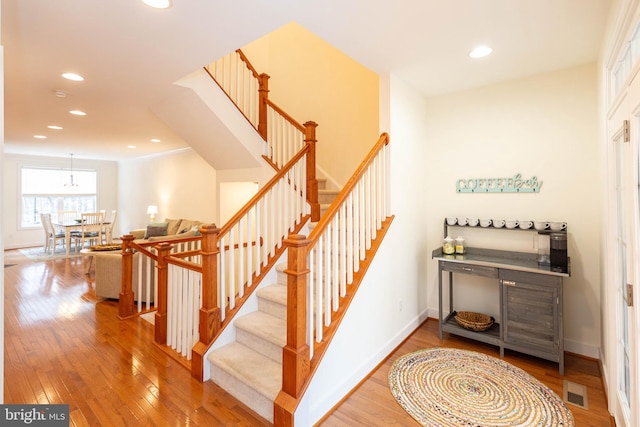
250	368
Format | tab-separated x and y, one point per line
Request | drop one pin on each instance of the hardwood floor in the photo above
64	345
371	404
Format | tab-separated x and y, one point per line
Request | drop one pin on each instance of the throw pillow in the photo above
196	230
156	229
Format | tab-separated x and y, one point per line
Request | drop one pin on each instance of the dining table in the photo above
70	226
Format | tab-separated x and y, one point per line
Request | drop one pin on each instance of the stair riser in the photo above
243	392
327	196
281	278
273	308
322	184
259	344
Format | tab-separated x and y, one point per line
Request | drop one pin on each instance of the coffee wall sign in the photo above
514	184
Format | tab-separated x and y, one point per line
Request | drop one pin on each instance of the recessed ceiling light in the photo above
54	127
60	93
155	140
480	52
78	113
40	136
131	146
73	76
158	4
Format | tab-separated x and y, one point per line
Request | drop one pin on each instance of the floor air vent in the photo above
576	394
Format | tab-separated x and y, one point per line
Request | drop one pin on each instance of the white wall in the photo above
391	301
312	80
235	195
15	236
180	183
545	126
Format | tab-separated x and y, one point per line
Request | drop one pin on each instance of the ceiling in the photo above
130	55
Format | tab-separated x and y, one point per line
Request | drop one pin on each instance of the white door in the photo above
624	137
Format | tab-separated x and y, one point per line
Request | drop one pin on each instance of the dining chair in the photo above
91	229
67	217
107	232
51	235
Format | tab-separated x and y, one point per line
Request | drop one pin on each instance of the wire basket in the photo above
474	321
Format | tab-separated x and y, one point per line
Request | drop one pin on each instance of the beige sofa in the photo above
169	229
108	279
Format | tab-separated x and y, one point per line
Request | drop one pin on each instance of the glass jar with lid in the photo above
448	246
460	247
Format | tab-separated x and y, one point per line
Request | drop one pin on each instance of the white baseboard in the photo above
22	246
582	349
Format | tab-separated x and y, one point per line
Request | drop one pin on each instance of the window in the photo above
49	191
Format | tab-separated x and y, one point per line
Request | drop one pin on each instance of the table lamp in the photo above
152	210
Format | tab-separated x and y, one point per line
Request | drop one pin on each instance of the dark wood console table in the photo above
531	319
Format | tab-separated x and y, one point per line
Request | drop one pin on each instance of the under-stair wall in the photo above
212	125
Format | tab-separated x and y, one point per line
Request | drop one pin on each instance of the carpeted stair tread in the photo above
274	293
252	368
265	326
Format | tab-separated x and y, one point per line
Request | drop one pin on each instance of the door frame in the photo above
621	101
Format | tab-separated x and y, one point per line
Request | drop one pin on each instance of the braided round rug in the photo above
450	387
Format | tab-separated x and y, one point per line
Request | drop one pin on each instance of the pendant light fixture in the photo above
71	183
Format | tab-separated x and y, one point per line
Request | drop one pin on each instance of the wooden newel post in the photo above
312	182
295	355
209	316
160	327
125	302
210	311
263	95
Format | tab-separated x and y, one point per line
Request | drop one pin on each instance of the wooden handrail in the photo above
248	63
298	366
262	122
348	188
177	259
261	193
182	263
285	115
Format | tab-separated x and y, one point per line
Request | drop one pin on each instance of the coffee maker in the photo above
558	252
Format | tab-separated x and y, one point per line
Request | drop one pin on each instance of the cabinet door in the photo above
531	315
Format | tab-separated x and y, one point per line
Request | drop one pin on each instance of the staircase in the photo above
250	368
271	355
